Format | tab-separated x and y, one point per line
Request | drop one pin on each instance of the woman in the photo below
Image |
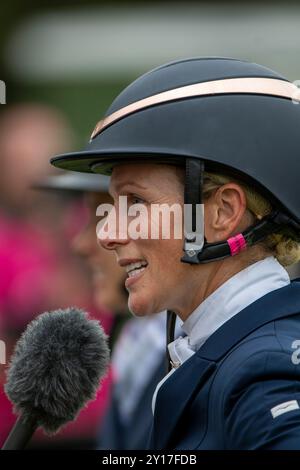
223	133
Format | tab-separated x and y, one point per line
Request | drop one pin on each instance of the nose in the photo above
112	233
112	241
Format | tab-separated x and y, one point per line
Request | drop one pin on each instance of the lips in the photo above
123	262
134	269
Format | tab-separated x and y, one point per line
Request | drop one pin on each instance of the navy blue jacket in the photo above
222	397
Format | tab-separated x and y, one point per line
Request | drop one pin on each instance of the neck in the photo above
209	277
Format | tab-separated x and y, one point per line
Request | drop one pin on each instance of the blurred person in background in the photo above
138	344
103	272
39	271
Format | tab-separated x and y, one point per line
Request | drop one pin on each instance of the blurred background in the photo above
62	65
77	57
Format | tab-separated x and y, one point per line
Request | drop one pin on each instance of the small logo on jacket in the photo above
284	408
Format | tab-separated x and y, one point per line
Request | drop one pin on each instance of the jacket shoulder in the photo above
258	388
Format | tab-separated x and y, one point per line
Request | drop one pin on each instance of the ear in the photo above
225	213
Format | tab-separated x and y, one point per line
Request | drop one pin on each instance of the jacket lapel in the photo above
174	396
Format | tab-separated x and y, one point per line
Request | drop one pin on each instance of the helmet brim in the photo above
104	162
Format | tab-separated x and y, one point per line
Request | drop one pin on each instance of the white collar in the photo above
234	295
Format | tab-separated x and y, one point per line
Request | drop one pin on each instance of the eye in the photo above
136	199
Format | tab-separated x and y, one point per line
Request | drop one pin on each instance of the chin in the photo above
139	306
137	311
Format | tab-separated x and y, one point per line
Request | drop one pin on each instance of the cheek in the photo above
165	264
208	217
154	291
169	253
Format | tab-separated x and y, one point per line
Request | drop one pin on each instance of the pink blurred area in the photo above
32	281
38	270
38	275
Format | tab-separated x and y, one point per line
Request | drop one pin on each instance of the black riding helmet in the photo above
213	113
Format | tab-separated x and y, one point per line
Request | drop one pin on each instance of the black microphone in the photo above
56	368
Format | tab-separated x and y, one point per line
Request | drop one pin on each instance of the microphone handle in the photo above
20	434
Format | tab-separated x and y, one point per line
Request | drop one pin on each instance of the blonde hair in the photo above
282	244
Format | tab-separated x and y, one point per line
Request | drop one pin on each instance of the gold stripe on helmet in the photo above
262	86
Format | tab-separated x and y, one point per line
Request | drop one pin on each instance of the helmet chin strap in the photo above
193	209
194	235
237	243
171	322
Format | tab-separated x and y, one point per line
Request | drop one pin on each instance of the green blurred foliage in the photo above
84	103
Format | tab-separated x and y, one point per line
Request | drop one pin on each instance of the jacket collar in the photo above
280	303
178	391
231	297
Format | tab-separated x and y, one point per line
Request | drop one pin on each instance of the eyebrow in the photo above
119	186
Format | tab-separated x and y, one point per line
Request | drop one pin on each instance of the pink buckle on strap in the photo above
236	244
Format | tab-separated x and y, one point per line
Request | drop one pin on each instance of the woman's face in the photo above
107	276
164	282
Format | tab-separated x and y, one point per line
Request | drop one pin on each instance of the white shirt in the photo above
233	296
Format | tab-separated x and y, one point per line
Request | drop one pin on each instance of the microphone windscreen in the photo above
56	367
